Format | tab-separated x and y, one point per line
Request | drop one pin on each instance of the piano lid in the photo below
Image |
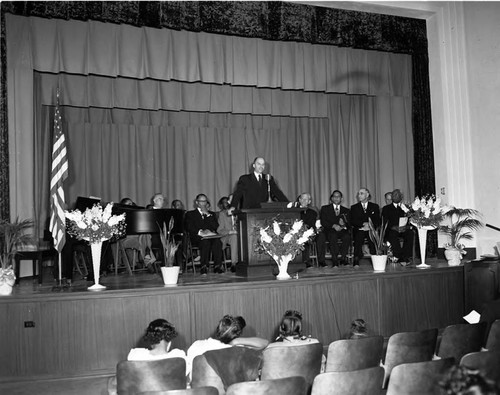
149	221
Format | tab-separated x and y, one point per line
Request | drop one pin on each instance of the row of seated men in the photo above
338	225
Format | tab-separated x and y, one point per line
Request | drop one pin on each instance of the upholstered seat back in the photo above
354	354
295	385
359	382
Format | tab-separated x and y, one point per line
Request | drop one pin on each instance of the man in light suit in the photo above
360	213
201	225
335	226
392	214
252	189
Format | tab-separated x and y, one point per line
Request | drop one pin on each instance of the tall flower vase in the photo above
96	264
282	262
422	238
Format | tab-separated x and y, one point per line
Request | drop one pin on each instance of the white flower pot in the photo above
170	274
5	289
379	262
453	256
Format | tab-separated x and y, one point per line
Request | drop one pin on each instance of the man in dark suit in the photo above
360	213
392	214
252	189
201	225
309	216
335	226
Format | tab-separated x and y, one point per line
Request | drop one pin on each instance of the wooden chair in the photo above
487	362
188	391
406	347
360	382
354	354
460	339
140	376
493	339
286	386
418	377
287	361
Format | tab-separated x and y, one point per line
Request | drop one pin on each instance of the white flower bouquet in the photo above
95	224
283	239
427	211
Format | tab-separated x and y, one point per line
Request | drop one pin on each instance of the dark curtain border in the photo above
265	20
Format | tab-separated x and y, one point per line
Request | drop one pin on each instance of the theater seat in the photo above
354	354
286	386
360	382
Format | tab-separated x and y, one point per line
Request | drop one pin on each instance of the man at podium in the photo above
254	188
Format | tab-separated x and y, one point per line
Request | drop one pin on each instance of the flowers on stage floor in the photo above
282	240
427	211
95	225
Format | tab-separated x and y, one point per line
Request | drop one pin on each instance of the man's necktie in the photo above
337	211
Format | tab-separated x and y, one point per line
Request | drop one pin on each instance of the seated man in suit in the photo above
392	214
335	225
309	216
201	225
360	212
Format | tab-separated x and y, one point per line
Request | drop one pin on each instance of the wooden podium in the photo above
252	263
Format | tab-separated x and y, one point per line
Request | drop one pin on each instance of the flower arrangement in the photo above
426	211
167	240
377	237
95	224
283	238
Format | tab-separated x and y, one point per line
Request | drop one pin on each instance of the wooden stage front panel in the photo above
87	333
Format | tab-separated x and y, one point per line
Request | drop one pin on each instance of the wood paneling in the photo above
88	333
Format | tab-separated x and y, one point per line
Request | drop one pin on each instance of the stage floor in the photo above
144	280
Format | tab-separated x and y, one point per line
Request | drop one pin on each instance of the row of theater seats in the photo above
414	363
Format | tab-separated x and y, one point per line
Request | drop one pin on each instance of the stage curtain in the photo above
116	152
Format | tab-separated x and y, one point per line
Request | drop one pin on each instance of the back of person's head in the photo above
229	328
157	331
358	329
291	324
463	381
127	202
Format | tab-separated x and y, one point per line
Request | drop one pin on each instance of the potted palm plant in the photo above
12	236
463	221
169	272
377	236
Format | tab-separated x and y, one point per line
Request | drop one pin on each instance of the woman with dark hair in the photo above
227	334
158	339
358	329
291	331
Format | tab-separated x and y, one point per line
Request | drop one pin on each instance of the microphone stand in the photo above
268	178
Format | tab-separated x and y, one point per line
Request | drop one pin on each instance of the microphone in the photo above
268	178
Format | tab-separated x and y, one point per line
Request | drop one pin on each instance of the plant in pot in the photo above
12	236
377	236
169	272
463	221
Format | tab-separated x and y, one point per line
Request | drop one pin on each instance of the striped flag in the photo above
59	173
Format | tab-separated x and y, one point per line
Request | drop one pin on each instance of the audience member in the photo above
358	329
360	214
252	189
463	381
396	228
201	225
227	334
335	226
227	228
290	331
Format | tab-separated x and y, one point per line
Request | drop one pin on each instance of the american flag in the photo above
58	174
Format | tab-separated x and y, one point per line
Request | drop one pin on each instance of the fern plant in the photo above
463	222
12	236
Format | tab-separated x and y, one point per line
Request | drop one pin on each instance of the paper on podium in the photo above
403	221
473	317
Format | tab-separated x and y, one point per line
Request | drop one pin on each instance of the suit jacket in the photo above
358	215
328	217
309	217
391	214
194	222
252	193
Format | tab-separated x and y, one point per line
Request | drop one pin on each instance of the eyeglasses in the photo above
201	201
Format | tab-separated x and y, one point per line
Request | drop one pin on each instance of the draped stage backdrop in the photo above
157	110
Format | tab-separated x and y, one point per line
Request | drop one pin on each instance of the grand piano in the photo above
140	220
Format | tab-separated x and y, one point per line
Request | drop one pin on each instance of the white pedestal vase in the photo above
422	238
379	262
170	274
96	264
282	262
